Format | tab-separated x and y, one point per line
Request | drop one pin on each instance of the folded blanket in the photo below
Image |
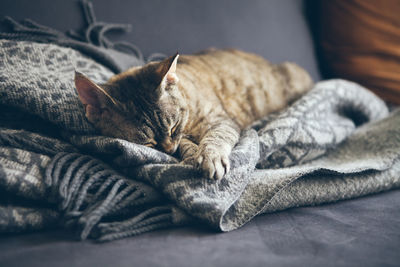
337	142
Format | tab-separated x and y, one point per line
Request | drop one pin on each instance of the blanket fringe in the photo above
89	193
94	34
151	219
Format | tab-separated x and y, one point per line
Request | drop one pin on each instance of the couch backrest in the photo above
275	29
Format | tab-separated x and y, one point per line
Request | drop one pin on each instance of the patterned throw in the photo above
337	142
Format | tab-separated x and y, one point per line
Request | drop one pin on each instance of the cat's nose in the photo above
169	146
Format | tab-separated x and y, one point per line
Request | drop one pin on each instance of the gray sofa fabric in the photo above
274	29
358	232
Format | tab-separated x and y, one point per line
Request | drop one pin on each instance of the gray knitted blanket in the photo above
337	142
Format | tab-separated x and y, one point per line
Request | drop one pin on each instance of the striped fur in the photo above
198	103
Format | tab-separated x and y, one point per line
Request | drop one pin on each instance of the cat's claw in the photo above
214	165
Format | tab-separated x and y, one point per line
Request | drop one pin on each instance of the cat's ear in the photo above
92	96
167	71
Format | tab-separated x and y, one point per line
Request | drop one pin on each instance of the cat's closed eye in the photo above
172	132
151	143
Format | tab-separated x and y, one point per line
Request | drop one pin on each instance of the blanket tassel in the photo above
91	194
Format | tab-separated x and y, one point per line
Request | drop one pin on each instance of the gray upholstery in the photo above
359	232
275	29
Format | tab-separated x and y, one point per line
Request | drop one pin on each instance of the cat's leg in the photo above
215	146
188	150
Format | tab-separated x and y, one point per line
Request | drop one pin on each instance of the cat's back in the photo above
244	85
222	62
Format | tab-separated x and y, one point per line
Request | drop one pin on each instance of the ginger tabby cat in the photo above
197	104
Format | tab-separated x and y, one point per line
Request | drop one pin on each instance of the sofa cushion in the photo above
360	41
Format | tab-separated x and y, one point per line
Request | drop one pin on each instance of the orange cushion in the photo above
360	41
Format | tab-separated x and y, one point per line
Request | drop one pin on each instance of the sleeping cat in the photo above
197	104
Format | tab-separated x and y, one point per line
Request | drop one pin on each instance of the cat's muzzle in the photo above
169	147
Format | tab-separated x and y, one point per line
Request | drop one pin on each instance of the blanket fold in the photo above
337	142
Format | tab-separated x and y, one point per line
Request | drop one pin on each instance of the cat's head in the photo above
142	105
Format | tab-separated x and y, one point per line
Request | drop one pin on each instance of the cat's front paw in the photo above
214	163
189	161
